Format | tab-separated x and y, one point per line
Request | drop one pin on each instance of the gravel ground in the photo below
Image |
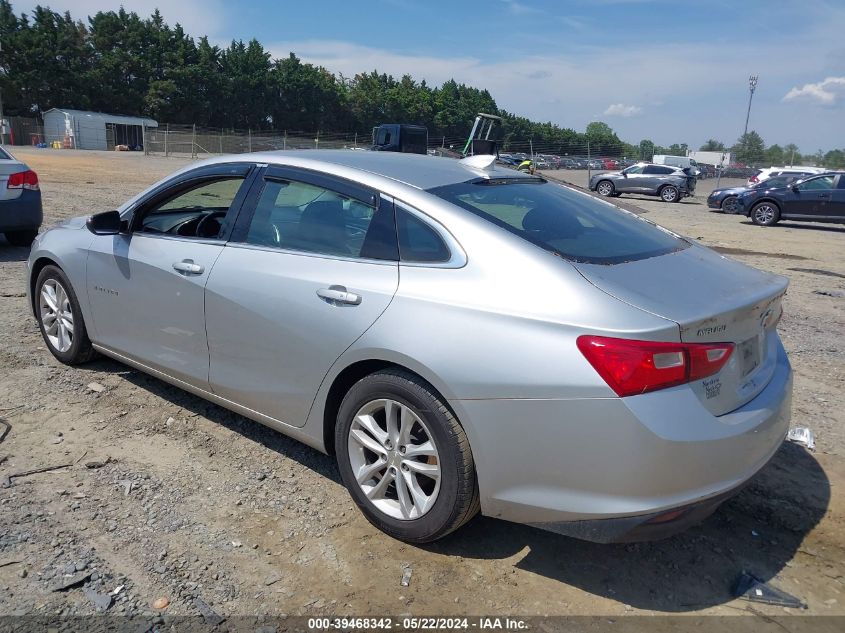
165	496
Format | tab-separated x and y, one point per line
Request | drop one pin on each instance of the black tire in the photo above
457	500
21	238
669	193
605	188
729	205
765	213
80	350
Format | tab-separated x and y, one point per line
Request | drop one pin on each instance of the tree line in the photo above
121	63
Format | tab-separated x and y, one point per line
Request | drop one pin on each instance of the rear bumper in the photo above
22	213
606	469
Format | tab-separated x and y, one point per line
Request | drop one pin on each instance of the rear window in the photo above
561	220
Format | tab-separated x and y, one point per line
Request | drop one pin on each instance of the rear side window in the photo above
561	220
418	242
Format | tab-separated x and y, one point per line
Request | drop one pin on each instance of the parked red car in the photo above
610	163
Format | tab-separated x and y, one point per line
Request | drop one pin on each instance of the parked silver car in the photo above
670	183
459	335
20	201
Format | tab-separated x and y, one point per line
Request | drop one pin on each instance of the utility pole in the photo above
752	86
2	129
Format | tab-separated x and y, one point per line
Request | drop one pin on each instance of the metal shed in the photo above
78	129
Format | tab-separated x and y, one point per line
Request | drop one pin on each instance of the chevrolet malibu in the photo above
462	337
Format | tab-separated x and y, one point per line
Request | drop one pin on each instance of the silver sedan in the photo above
461	336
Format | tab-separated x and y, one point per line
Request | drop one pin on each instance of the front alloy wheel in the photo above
56	315
765	214
605	188
60	317
730	204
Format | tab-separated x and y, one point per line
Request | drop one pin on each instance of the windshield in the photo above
571	224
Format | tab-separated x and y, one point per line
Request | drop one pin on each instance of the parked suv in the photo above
819	198
670	183
20	201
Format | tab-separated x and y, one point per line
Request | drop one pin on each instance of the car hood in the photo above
730	190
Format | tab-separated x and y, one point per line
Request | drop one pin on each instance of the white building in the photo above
78	129
718	159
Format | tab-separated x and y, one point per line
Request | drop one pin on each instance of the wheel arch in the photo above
355	371
769	200
37	266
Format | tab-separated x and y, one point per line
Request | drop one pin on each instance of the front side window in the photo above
817	184
303	217
196	211
635	169
561	220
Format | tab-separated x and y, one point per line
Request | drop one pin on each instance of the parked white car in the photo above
797	171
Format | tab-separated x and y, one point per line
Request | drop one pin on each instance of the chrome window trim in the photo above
290	251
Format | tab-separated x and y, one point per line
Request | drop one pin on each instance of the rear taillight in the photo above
23	180
634	367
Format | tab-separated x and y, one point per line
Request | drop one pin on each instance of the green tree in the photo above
749	149
834	159
712	145
774	155
791	153
646	148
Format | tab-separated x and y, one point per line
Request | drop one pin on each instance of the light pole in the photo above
752	85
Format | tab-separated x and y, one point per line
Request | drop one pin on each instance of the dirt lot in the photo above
196	502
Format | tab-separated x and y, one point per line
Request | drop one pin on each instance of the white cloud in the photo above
620	109
197	17
824	92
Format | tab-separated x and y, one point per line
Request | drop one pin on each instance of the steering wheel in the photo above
205	224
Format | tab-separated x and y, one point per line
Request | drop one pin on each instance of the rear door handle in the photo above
339	295
188	267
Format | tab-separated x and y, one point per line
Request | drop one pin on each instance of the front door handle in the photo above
339	295
188	267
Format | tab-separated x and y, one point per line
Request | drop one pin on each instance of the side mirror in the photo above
105	223
625	173
795	188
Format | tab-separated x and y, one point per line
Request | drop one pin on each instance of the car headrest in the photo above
551	224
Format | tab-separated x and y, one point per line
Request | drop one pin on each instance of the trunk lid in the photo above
712	299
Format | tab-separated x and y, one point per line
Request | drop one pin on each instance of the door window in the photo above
817	184
634	169
304	217
195	211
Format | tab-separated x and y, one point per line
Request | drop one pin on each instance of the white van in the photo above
683	162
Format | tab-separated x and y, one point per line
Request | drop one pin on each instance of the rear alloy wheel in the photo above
21	238
60	318
670	193
605	188
765	214
729	204
404	458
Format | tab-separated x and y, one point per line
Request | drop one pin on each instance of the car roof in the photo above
417	170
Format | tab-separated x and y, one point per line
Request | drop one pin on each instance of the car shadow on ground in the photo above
253	431
9	253
757	531
809	226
